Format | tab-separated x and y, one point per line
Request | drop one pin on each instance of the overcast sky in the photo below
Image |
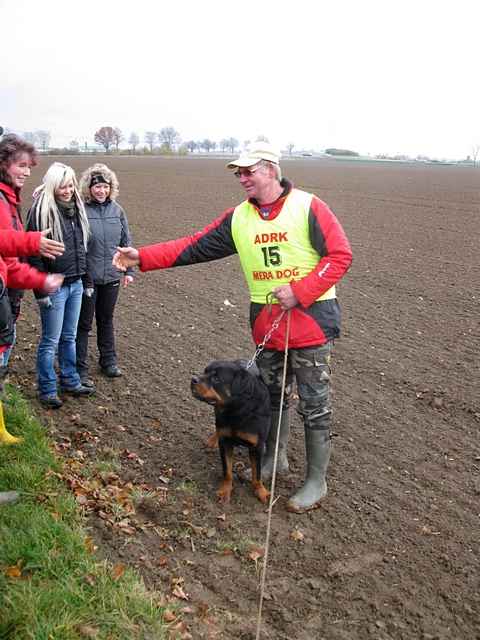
373	76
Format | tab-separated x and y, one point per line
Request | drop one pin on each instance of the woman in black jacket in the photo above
108	230
58	206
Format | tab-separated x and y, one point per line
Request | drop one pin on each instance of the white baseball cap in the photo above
261	151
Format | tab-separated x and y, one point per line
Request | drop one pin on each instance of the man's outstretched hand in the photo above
125	257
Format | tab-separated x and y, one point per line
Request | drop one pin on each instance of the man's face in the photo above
255	179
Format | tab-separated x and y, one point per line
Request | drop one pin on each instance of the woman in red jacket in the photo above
18	243
16	159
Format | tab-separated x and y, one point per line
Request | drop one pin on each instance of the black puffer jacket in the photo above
73	262
108	230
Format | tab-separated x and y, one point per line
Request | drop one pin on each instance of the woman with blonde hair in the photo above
108	230
57	206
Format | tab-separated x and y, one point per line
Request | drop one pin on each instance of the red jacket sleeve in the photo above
211	243
329	239
20	275
19	243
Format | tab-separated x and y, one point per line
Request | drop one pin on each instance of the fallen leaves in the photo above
118	571
169	616
297	535
14	571
90	546
87	631
105	493
255	554
177	588
427	531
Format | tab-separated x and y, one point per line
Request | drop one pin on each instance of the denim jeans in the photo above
59	330
8	352
3	371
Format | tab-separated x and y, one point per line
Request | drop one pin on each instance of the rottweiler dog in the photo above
242	416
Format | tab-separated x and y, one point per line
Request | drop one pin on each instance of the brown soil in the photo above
394	551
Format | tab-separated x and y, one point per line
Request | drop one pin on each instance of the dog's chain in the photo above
268	335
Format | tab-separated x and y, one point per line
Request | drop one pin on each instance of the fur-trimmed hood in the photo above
107	173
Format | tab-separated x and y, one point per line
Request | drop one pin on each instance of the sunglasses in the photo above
246	173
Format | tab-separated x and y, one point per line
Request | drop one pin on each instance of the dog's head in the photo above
223	383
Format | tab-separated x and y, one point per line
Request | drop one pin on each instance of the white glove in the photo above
45	302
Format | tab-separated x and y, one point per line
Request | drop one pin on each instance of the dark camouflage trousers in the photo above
310	369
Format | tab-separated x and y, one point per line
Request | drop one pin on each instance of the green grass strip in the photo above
63	592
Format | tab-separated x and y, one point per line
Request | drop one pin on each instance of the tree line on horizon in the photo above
165	141
168	141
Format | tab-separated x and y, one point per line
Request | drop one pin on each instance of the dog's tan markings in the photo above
225	490
251	438
261	493
207	393
224	432
257	485
212	441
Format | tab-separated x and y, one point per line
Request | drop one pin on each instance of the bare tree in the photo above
169	137
207	145
223	144
290	146
150	139
261	138
133	140
191	145
43	138
74	145
475	152
232	144
117	137
106	137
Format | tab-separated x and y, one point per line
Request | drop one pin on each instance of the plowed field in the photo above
394	551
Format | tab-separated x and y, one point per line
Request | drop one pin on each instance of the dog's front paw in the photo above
224	492
212	441
261	493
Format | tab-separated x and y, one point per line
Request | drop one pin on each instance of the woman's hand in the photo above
127	279
52	282
50	248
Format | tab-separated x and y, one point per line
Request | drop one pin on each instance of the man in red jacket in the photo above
290	244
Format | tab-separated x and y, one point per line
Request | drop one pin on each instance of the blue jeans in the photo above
8	352
59	330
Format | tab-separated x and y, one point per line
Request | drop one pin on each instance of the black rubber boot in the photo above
317	447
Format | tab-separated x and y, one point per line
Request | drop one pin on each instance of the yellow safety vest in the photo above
275	252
